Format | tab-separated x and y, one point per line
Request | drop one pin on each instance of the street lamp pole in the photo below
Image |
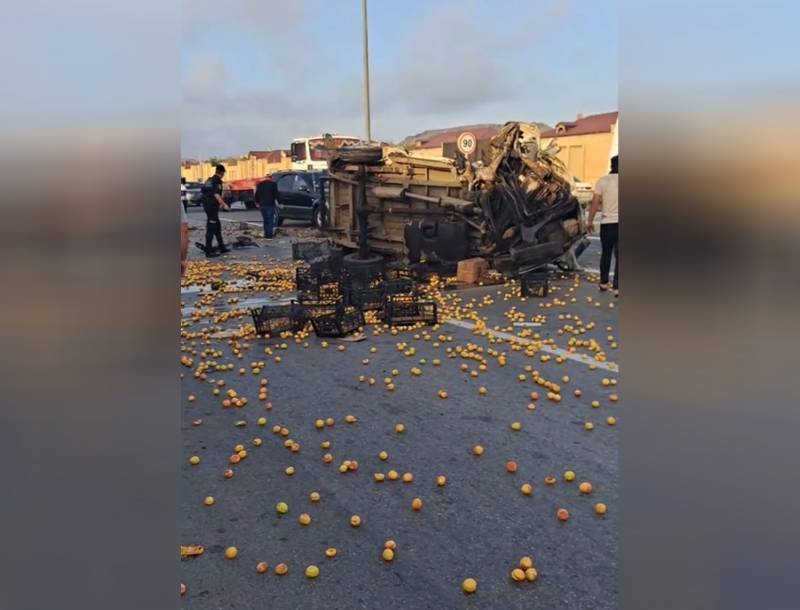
366	72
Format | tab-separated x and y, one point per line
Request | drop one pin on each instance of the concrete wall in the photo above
238	169
586	156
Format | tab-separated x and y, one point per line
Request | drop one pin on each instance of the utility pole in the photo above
366	73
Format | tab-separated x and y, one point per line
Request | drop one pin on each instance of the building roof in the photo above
270	156
594	123
451	135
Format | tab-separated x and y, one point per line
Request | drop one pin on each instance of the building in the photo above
585	144
442	142
256	164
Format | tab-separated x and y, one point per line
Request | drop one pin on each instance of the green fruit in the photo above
282	508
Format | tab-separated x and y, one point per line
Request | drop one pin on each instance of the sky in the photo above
257	73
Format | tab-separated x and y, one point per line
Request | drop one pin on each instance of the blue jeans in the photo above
268	215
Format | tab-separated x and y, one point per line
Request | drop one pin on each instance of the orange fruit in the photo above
562	514
281	569
262	567
416	504
355	520
511	467
585	487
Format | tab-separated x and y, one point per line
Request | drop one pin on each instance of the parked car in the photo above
193	194
303	195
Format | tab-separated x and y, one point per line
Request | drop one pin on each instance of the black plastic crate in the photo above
406	311
274	319
534	284
342	322
369	299
363	276
304	250
397	286
316	310
318	285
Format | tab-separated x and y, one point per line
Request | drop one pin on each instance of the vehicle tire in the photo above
368	154
318	217
352	260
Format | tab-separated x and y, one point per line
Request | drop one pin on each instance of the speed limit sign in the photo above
467	143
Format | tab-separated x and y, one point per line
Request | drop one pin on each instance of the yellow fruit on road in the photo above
257	442
416	504
209	501
390	544
526	489
231	552
281	569
355	521
388	554
611	421
569	475
392	475
596	404
183	589
531	574
408	477
282	508
588	425
399	428
517	574
314	496
600	508
441	480
330	553
470	585
482	391
585	487
320	423
194	460
477	450
289	471
383	455
304	519
262	567
516	426
325	445
526	562
379	477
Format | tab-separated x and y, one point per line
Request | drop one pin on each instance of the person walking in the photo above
606	199
212	203
267	200
183	194
184	240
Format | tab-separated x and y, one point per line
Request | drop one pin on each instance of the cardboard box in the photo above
471	269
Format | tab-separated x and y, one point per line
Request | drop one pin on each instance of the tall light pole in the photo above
366	72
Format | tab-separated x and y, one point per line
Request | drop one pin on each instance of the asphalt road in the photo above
478	525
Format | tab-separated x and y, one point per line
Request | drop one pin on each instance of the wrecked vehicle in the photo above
515	208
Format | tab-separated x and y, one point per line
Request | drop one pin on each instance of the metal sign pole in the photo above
366	73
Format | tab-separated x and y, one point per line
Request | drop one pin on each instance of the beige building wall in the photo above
236	169
586	156
434	152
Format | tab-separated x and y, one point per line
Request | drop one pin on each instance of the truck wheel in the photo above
352	260
318	217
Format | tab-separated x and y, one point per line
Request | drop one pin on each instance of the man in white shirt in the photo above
606	199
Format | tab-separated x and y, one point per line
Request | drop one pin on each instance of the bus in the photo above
312	153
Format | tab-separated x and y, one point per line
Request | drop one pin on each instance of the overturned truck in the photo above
514	208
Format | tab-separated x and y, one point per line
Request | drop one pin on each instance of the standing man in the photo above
183	193
266	200
184	239
606	199
212	203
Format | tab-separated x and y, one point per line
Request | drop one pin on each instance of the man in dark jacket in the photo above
212	202
267	200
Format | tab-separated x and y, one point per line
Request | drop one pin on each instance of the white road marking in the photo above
593	237
557	351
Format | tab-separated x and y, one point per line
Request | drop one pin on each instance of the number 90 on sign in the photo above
466	143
